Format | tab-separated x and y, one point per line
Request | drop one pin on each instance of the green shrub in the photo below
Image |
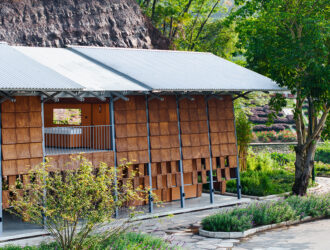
310	205
266	213
261	183
241	219
123	241
323	153
322	169
232	221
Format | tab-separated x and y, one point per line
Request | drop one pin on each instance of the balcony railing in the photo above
77	139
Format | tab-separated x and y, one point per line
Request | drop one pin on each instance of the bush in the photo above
323	153
322	169
276	127
84	196
265	213
287	136
123	241
241	219
310	206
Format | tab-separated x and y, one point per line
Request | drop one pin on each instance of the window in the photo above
67	116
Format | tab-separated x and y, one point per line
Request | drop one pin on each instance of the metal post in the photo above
182	194
113	146
151	204
1	214
43	152
238	179
210	149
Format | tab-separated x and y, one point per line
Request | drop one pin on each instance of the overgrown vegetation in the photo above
273	173
124	241
258	214
323	153
74	204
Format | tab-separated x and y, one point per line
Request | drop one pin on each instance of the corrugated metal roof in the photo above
179	70
19	72
90	75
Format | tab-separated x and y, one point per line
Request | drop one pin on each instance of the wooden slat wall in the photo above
131	140
21	140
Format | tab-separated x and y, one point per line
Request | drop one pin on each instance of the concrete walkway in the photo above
312	235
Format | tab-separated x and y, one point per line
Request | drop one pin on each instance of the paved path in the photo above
323	186
312	235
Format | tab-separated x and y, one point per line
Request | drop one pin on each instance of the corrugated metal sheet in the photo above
175	70
90	75
19	72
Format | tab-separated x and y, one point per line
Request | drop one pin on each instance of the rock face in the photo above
56	23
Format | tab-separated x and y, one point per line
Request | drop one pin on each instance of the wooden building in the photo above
170	113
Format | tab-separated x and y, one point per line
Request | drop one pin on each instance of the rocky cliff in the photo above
56	23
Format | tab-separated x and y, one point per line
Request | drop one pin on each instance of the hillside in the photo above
56	23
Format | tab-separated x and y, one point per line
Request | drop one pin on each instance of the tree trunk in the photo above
303	169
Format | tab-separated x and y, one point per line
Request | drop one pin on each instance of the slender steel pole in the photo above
43	154
113	147
238	179
182	194
1	214
210	149
151	204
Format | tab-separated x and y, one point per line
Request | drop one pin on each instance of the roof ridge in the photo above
139	49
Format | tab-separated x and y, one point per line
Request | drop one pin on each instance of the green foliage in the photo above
194	25
282	159
326	131
322	169
310	206
123	241
241	219
323	153
265	213
243	130
82	194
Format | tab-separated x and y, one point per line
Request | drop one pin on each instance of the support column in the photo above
238	179
113	146
210	149
43	150
151	199
182	194
1	214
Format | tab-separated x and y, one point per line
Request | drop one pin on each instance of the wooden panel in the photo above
187	178
23	120
187	166
132	144
143	156
141	116
22	104
8	136
35	103
36	150
194	140
185	128
165	141
131	116
100	114
133	157
7	106
155	155
5	199
23	135
169	180
9	152
120	117
175	193
175	154
190	191
35	135
155	142
121	131
164	128
165	154
23	151
173	128
154	129
186	152
186	142
23	166
8	120
9	168
224	149
142	129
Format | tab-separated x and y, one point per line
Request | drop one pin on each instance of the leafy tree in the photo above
288	40
195	25
74	203
244	134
